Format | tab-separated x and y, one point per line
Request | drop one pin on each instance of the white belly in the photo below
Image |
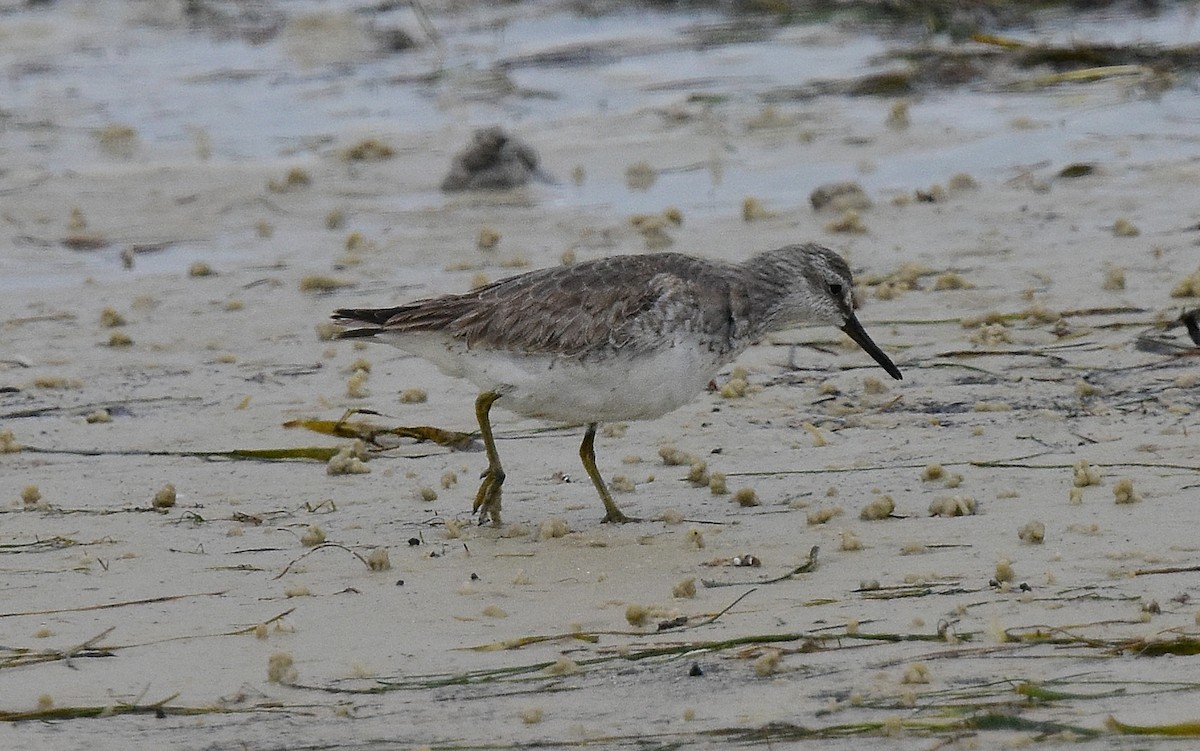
567	390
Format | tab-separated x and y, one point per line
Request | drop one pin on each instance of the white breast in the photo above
559	389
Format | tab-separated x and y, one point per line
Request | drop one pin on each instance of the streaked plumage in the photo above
620	338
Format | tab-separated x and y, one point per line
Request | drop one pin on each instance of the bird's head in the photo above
819	288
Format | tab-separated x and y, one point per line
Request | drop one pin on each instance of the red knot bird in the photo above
622	338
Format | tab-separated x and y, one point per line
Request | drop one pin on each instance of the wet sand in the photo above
1009	302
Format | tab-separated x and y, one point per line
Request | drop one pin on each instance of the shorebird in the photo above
493	160
620	338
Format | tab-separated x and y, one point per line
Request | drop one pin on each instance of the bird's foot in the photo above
613	515
487	499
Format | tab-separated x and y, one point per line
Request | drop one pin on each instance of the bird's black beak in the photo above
855	331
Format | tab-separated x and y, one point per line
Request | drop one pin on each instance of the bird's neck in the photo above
767	280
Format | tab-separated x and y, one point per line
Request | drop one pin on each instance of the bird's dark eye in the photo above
836	289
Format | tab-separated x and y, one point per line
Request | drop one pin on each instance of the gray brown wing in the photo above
623	302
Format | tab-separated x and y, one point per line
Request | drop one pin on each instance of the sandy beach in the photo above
167	272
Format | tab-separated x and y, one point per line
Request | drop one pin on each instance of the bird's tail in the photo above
357	333
370	316
373	318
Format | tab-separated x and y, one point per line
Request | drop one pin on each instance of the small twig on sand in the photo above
107	605
808	565
322	546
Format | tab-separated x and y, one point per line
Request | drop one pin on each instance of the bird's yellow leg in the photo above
487	500
587	454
